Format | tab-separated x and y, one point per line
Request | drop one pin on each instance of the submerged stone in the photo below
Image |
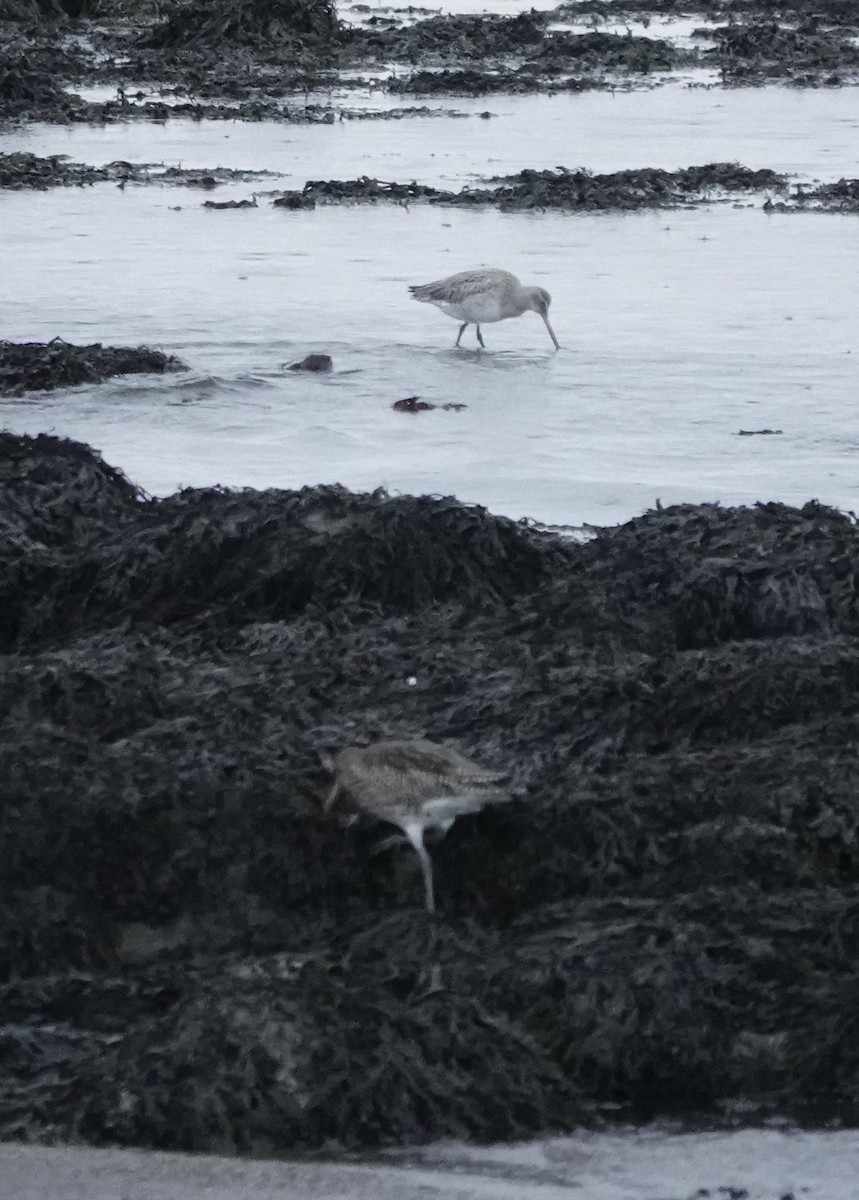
313	362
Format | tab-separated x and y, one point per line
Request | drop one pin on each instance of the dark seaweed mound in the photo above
23	170
29	89
839	197
28	10
562	189
40	366
771	49
664	919
610	52
258	23
575	191
445	37
524	39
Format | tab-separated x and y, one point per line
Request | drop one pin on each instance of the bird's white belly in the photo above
478	310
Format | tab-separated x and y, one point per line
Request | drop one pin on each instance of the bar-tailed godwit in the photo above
483	296
415	785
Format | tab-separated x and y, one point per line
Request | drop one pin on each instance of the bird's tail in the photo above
423	292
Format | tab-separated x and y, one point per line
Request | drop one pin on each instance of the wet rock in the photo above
412	404
313	362
40	366
194	957
294	200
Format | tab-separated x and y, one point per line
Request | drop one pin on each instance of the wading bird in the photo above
416	785
481	297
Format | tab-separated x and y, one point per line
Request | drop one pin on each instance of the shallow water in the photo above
678	329
635	1164
811	132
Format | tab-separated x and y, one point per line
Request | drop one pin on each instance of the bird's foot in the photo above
434	983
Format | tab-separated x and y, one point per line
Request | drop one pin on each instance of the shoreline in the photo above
636	1164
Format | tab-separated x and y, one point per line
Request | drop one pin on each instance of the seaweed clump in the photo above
562	189
842	196
650	187
610	52
473	82
511	50
445	38
252	23
665	918
28	90
44	366
768	49
24	170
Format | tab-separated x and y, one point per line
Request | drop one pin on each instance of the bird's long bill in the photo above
331	797
551	332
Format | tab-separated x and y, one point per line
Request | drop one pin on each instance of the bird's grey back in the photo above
457	289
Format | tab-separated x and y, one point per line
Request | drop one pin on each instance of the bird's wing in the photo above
453	806
406	756
420	757
456	802
457	289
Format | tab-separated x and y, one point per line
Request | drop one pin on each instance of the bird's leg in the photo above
415	834
462	330
480	338
426	864
434	982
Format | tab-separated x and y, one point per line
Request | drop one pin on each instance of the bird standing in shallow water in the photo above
481	297
415	785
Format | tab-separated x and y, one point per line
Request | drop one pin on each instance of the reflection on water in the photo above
678	329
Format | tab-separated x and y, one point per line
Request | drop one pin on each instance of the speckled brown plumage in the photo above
416	785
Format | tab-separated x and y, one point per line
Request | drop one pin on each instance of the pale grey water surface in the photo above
679	329
629	1164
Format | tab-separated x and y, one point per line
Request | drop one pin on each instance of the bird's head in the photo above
539	301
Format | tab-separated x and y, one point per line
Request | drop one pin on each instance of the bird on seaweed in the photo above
484	296
416	785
